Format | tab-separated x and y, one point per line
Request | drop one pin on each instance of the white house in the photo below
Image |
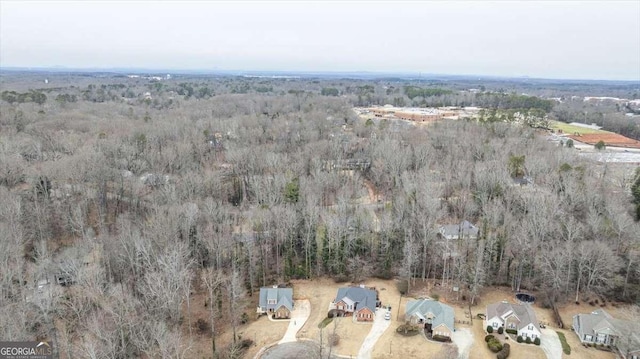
519	317
599	327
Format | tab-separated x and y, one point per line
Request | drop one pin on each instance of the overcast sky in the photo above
580	40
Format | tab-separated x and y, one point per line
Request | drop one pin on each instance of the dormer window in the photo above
271	301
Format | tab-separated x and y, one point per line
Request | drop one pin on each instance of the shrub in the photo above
408	330
340	278
403	286
528	340
536	341
334	339
504	353
512	331
435	296
203	326
519	339
325	321
441	338
246	343
493	343
489	329
500	330
495	346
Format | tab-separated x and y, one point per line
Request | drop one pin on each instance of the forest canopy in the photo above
136	192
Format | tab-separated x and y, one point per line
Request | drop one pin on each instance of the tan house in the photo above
435	317
360	302
275	301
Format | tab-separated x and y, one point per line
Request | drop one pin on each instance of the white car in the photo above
387	315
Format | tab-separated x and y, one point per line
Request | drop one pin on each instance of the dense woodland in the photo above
136	193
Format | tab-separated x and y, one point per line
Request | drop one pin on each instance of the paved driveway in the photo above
463	339
378	327
550	343
299	316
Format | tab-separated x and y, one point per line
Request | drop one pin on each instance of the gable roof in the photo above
601	322
443	314
598	321
462	229
362	297
282	297
522	311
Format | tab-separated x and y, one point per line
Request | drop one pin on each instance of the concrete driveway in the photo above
378	327
463	339
550	343
299	316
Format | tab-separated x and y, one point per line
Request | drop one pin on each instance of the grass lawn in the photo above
565	346
571	129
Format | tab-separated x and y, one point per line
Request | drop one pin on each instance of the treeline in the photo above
511	101
413	92
608	114
17	97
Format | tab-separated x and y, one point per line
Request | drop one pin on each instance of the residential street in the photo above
380	325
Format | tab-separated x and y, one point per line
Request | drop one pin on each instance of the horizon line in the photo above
240	72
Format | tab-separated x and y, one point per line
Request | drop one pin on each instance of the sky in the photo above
564	40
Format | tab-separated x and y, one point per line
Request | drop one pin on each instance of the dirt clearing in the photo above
609	139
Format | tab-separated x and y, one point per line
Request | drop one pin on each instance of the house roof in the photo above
598	321
601	322
523	311
282	297
361	296
522	181
442	313
462	229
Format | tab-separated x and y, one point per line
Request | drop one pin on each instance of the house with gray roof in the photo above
519	317
464	229
599	327
437	318
359	301
276	301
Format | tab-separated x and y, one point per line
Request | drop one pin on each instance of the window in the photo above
495	324
530	327
271	301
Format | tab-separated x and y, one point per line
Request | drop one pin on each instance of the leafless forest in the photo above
121	198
